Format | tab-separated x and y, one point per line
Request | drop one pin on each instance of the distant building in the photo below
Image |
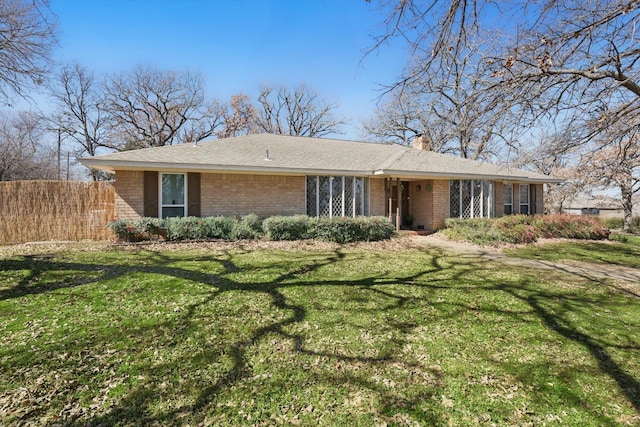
602	206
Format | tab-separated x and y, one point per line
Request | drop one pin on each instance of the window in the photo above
173	195
470	199
524	199
337	196
508	199
590	211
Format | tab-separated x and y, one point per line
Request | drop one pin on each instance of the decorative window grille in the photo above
312	195
454	199
476	198
348	205
337	196
337	188
466	199
470	199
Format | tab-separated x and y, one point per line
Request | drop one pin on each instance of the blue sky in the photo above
239	45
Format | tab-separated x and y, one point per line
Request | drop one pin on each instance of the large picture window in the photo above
470	199
173	195
337	196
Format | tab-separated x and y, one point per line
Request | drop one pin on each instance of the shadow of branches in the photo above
396	293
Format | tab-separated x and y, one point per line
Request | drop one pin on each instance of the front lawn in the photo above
357	336
625	251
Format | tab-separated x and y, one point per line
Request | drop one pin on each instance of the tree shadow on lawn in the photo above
136	405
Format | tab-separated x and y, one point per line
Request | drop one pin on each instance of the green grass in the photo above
355	337
624	253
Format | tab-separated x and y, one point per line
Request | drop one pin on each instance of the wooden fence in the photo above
35	211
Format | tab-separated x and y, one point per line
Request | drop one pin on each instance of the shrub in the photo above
347	230
189	228
123	229
286	227
249	227
335	229
519	233
136	230
151	226
477	230
220	227
524	229
338	229
376	228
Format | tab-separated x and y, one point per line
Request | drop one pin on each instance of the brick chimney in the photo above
419	143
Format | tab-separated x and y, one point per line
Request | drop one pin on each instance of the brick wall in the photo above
440	203
377	198
129	200
421	203
239	194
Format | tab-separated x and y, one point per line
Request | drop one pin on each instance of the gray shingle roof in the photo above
280	154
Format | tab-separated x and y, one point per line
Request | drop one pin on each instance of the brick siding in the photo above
240	194
440	203
129	194
377	197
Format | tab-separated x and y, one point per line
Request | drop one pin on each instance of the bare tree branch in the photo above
297	112
148	107
22	152
27	35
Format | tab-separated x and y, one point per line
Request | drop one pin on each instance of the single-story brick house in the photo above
286	175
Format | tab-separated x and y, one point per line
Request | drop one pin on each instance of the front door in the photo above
404	198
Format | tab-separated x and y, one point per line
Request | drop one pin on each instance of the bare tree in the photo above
79	114
240	117
403	116
565	59
149	107
207	121
565	63
23	155
298	112
453	109
615	162
27	36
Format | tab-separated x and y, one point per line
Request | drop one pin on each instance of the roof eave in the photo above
449	175
112	166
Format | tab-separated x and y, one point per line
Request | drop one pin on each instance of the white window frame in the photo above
161	203
528	204
508	185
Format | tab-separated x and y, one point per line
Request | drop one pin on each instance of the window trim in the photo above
185	203
528	204
504	210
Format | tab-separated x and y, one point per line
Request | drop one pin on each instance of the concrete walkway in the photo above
585	270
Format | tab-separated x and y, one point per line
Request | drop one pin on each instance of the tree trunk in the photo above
627	204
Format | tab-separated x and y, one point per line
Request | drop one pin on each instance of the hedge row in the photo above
525	229
299	227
